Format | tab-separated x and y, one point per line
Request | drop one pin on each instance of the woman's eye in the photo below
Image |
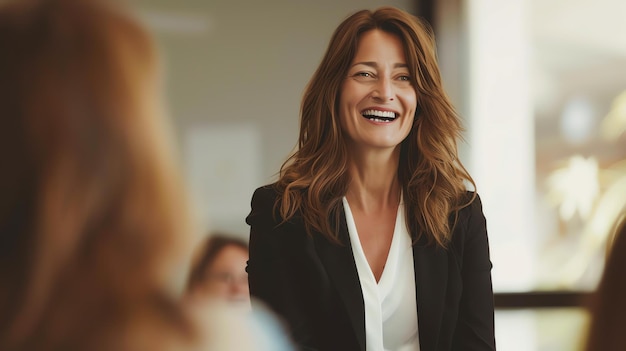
405	78
364	74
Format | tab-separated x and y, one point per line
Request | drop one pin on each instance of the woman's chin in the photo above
242	303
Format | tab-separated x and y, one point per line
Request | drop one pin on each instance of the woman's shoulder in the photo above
265	206
469	210
469	221
262	205
264	199
470	203
266	221
265	193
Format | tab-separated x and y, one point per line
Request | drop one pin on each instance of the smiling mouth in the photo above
379	116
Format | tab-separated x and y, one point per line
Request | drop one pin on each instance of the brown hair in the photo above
92	222
212	247
314	179
608	308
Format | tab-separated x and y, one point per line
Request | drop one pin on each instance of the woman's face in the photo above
226	277
377	100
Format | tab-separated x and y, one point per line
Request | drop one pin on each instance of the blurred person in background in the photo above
94	227
218	283
369	240
608	309
219	271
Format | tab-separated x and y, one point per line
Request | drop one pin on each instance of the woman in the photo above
219	272
369	239
93	228
219	284
606	331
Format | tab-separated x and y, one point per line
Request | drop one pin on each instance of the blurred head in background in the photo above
219	271
92	224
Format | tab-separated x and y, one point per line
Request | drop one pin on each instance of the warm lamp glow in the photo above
575	187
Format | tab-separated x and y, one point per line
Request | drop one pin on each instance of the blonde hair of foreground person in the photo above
92	222
608	309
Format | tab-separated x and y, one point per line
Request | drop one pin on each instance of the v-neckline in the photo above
358	248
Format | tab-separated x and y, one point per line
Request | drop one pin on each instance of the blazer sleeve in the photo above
475	324
274	273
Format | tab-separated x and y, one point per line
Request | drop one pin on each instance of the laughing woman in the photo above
369	239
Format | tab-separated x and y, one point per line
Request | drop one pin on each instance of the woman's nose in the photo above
384	90
238	286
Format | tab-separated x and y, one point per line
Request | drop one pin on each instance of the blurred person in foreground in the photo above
369	240
608	308
219	271
94	227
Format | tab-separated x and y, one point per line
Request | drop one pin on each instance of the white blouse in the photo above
390	304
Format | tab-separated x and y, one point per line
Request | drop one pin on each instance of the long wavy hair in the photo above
93	219
315	177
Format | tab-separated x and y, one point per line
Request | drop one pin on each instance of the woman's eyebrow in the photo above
375	65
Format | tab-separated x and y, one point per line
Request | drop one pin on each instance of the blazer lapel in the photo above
431	276
341	268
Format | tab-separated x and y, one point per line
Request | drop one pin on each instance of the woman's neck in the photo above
374	181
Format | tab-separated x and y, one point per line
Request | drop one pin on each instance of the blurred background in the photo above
541	88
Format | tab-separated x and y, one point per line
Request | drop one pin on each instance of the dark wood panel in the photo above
426	9
542	299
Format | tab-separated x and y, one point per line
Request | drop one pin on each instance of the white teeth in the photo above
380	120
377	113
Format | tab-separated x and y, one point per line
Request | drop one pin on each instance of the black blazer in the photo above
314	286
